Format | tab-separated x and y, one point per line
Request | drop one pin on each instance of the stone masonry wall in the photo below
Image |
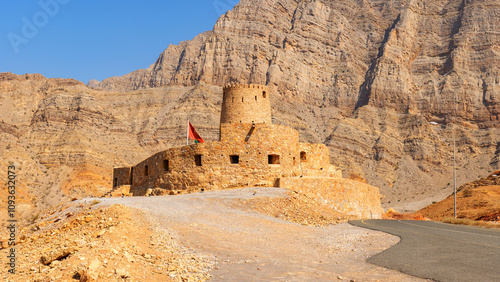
314	161
176	169
348	196
121	176
314	156
245	103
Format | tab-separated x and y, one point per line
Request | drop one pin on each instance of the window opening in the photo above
146	170
264	94
197	160
131	176
166	165
273	159
235	159
303	156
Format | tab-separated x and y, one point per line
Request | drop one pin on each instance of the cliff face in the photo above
60	138
425	57
65	138
363	77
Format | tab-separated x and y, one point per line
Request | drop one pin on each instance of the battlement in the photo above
241	85
245	103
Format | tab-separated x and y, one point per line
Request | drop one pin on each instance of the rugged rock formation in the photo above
60	138
363	77
427	57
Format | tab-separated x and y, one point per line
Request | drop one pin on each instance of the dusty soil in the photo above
197	237
248	245
301	207
83	242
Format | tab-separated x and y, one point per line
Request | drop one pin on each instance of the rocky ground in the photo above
195	237
81	241
299	206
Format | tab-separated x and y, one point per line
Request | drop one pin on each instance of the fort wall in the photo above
121	176
270	151
245	103
314	156
348	196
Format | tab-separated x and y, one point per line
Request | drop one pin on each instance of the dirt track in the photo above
248	246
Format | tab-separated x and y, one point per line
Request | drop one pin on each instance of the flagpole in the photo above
187	134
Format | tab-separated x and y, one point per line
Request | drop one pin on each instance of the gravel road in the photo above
248	246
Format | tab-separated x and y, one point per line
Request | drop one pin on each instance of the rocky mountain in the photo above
64	138
421	56
364	77
477	200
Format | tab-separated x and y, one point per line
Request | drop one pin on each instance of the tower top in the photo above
245	103
242	85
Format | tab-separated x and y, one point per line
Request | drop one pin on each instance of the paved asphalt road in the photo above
439	251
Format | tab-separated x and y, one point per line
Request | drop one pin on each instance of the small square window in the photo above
235	159
303	157
197	160
273	159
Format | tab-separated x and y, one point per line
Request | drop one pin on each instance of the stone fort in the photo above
251	152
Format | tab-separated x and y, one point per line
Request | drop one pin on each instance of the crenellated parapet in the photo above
243	85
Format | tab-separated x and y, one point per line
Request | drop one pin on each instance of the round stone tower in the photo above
245	103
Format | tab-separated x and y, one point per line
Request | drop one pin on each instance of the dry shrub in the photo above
466	221
95	202
467	193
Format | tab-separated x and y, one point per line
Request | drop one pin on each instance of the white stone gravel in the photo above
247	246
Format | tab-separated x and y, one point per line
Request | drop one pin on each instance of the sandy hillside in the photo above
477	200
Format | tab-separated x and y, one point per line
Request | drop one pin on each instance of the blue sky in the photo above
85	39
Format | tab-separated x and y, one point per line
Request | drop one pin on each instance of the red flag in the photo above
194	135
